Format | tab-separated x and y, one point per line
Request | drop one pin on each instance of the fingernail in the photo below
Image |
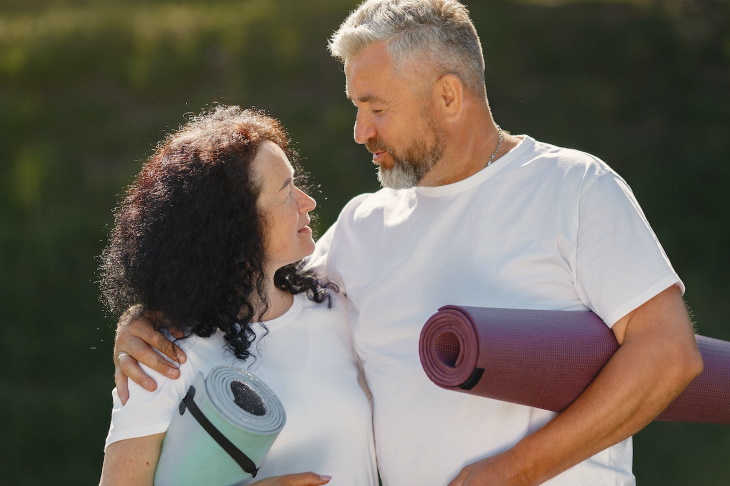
149	385
181	358
172	373
325	478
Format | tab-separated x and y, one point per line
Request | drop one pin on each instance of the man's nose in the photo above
364	129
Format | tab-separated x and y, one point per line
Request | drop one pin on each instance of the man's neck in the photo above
469	148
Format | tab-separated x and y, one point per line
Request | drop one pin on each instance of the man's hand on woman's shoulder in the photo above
136	338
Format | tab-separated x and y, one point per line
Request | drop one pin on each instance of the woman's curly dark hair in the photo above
187	242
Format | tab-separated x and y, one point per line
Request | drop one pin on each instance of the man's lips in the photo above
379	156
379	151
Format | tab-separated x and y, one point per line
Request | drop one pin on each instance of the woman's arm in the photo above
132	461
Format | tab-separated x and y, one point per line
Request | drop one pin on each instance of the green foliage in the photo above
87	87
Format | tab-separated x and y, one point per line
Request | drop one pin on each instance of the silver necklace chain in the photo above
499	144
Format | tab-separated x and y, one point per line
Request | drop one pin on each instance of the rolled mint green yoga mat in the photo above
225	426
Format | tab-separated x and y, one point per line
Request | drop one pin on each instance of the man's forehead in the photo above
370	85
365	97
374	59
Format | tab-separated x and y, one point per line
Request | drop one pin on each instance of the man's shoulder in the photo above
366	205
358	200
567	159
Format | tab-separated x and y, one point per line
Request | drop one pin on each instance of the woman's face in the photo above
285	207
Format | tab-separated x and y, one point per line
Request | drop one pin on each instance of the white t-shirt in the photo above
542	228
308	361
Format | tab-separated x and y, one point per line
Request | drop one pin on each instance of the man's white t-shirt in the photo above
308	361
542	228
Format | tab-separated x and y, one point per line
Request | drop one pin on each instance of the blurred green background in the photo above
87	87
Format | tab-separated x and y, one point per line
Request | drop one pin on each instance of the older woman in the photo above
206	243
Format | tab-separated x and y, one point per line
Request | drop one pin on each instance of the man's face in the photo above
394	118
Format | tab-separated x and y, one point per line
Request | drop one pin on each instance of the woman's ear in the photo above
450	96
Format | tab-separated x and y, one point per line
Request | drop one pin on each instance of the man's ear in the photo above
450	96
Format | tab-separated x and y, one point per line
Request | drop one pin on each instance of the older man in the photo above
473	215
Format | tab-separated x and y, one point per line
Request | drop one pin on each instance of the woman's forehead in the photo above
271	164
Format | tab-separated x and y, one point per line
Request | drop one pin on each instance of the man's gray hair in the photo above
438	33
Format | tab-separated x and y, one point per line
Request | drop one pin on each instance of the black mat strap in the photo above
476	375
228	446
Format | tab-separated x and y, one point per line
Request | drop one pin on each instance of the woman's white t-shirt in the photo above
307	359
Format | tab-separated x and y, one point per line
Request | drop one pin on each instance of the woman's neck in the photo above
280	301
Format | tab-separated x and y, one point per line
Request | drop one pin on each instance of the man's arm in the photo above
135	339
656	360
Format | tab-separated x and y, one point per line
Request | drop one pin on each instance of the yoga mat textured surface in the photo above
545	359
240	406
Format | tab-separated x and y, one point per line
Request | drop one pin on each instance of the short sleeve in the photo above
147	413
620	263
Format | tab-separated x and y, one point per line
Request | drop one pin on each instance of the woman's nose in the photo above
307	203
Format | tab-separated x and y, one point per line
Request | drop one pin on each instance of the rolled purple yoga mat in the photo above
545	359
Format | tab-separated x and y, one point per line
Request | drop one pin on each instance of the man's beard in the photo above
412	166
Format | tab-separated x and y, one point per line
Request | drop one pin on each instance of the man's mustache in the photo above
376	145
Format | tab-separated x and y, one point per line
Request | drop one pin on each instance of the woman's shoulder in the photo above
201	355
204	353
145	412
335	301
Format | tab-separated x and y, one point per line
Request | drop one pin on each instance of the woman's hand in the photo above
300	479
135	339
